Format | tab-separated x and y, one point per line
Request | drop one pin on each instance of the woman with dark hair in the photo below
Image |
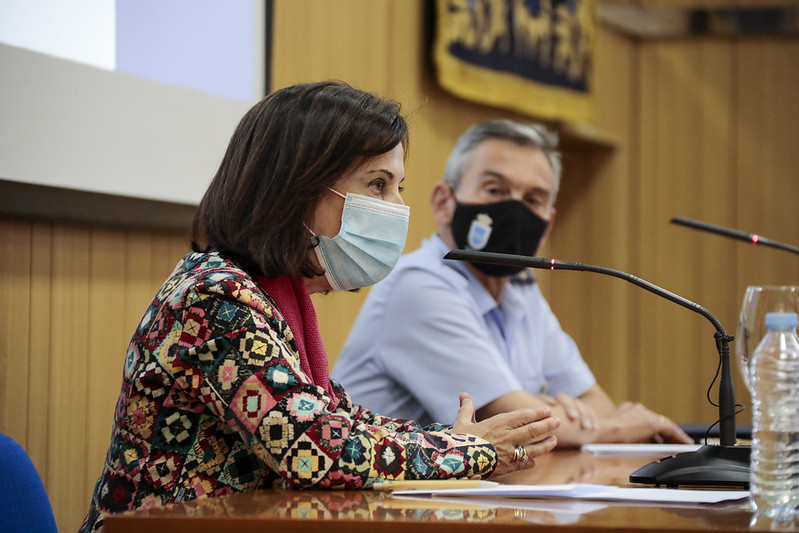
225	384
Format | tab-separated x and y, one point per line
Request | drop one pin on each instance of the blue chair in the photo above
24	506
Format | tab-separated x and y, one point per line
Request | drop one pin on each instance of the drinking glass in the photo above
759	300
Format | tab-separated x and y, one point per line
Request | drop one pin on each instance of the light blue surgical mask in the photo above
368	245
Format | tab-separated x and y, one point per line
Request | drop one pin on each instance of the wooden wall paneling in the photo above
407	54
168	249
410	81
39	347
645	175
768	127
336	313
591	307
766	191
107	341
616	96
425	164
781	83
15	247
139	286
729	114
356	39
751	127
715	263
579	299
667	325
346	40
69	327
637	356
298	33
672	152
593	226
25	344
681	378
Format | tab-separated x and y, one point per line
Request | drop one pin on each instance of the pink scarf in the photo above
294	303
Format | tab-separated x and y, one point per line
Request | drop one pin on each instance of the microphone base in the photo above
709	466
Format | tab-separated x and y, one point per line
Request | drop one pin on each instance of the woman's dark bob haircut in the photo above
284	154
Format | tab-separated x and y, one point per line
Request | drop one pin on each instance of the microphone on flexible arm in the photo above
754	238
726	464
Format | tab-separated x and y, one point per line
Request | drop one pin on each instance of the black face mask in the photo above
507	227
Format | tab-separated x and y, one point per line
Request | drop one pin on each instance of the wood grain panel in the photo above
68	399
768	161
15	245
645	165
315	40
107	339
39	355
672	330
679	134
766	130
714	113
616	89
714	286
594	189
63	344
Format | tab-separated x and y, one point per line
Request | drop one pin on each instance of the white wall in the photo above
79	126
80	30
71	125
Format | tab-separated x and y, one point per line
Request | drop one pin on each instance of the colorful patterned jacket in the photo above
213	401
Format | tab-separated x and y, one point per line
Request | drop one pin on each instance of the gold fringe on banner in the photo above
533	56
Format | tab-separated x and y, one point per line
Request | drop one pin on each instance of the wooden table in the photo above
357	511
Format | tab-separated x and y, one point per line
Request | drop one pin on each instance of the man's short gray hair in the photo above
521	133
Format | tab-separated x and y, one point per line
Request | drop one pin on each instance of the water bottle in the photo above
774	478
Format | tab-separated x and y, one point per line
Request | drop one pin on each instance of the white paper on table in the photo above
643	449
561	512
586	491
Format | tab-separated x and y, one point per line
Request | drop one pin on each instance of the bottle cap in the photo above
781	321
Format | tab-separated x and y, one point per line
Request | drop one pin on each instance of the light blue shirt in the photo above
430	331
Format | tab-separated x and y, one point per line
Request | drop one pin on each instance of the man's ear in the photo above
551	223
443	204
547	231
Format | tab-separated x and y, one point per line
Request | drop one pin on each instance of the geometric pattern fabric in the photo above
213	402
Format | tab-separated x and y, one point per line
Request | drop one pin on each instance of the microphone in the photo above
724	465
754	238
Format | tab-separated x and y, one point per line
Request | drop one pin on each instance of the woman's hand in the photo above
530	429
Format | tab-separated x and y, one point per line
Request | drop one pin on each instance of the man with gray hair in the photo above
435	328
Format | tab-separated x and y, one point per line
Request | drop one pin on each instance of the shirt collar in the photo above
485	302
511	300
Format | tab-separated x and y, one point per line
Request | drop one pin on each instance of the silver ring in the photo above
519	454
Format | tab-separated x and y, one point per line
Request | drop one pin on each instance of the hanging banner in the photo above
532	56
